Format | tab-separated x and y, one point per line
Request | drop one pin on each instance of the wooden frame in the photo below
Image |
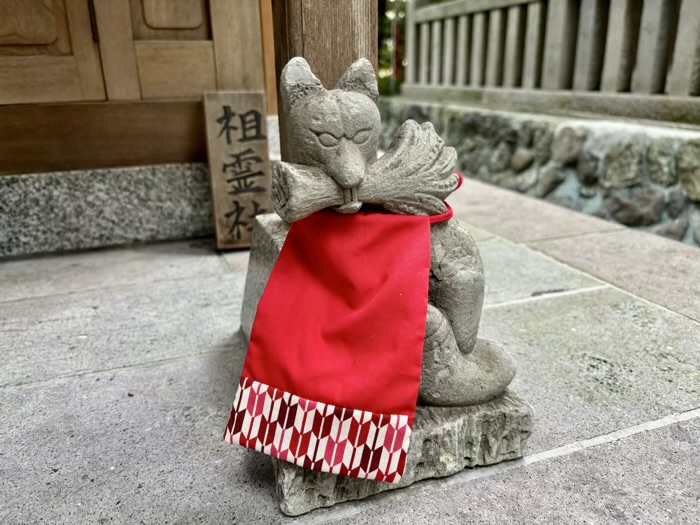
56	137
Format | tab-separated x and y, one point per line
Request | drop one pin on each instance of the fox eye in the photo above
361	136
327	140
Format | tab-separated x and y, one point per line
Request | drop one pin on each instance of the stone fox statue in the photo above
332	140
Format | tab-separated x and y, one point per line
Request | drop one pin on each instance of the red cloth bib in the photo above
331	378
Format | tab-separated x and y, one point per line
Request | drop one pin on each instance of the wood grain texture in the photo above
85	50
268	44
173	14
239	164
144	31
649	74
560	44
39	79
28	22
117	49
463	7
514	47
620	45
463	43
329	34
57	137
171	69
237	44
684	76
534	45
495	48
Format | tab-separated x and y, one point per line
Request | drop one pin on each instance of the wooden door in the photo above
47	52
167	49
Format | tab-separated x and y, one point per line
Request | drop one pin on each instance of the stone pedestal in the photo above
444	440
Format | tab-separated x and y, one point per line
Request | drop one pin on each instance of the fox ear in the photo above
296	82
360	78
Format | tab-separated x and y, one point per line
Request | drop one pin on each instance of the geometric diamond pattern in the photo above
318	436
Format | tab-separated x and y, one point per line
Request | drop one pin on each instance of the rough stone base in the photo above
444	441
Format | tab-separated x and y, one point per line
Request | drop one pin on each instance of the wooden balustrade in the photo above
646	49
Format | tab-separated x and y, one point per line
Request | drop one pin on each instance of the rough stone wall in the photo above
642	176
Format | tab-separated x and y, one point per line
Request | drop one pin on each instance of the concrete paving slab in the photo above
592	362
648	478
140	445
660	270
516	272
517	217
79	272
76	333
480	236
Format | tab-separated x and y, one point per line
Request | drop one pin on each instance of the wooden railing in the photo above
586	48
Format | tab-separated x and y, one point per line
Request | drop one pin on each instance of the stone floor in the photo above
119	366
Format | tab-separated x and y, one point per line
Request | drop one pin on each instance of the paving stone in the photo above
59	274
139	445
647	478
511	271
595	361
660	270
77	333
516	272
517	217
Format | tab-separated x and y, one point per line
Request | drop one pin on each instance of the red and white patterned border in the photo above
318	436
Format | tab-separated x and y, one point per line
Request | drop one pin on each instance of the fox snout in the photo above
347	166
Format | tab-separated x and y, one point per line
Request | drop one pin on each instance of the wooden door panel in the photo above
173	14
171	69
47	52
170	19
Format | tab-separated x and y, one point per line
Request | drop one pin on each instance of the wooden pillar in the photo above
329	34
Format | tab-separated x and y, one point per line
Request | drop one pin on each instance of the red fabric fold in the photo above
333	369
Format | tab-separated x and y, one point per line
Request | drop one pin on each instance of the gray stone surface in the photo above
134	445
652	267
491	208
596	361
116	326
673	230
567	145
515	272
622	166
522	159
647	478
551	177
74	210
636	206
689	168
98	269
444	441
573	163
85	209
662	162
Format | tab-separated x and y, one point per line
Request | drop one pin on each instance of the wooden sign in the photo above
239	163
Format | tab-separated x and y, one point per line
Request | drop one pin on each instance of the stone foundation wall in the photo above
642	176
